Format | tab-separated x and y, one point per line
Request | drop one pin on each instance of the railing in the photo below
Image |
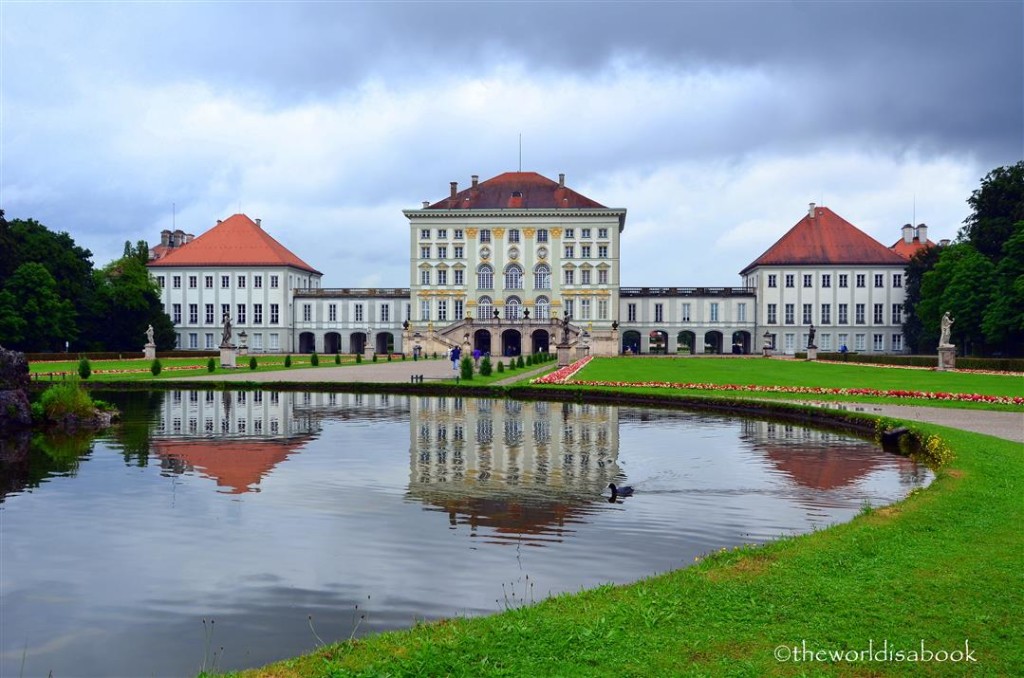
686	291
402	292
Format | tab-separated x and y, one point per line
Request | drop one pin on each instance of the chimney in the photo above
165	237
455	188
908	233
944	242
922	234
219	221
189	237
476	180
426	204
810	210
561	179
259	223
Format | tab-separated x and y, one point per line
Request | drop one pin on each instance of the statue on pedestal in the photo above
810	337
565	328
149	335
225	338
946	324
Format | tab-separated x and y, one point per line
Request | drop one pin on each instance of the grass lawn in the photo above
173	368
942	567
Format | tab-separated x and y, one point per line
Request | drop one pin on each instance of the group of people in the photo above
455	355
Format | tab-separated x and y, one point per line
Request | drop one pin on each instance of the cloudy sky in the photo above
714	124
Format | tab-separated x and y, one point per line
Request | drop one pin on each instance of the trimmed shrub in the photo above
337	358
519	362
156	366
374	357
288	360
252	362
359	358
211	365
529	359
84	368
314	359
389	357
501	367
466	368
435	355
485	366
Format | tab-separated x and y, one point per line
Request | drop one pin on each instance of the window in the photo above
275	317
176	282
844	310
424	234
741	311
257	343
584	232
193	314
542	235
861	278
460	276
585	308
879	280
844	280
826	314
274	344
685	315
209	340
257	314
585	276
457	233
442	251
570	306
225	282
442	309
897	314
385	313
208	282
897	342
176	314
225	311
442	233
273	285
160	281
209	314
358	313
241	314
807	314
513	235
807	280
859	342
193	282
826	342
193	340
826	280
570	252
332	313
542	277
570	276
897	281
789	280
773	314
879	314
602	276
602	251
602	233
543	308
858	314
459	252
714	311
602	309
424	309
513	278
485	277
585	251
257	281
790	314
878	342
773	280
484	308
512	308
442	277
659	313
425	252
485	235
631	313
241	282
425	276
789	342
570	233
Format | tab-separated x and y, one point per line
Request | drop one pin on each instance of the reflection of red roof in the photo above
510	518
817	467
825	238
238	465
516	190
236	241
908	249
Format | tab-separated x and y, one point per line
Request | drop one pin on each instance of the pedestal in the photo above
149	351
227	356
367	352
243	350
582	352
947	358
812	352
564	355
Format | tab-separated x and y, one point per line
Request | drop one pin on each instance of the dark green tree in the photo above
8	250
49	321
930	308
966	296
997	206
124	303
12	325
1004	318
919	338
69	264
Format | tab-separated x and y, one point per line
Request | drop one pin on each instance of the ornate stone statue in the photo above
946	325
225	339
565	328
810	337
149	334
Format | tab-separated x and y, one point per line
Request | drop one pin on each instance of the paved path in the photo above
397	371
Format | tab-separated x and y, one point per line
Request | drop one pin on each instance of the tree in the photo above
930	308
49	321
997	206
7	250
12	325
1003	323
919	339
966	297
126	301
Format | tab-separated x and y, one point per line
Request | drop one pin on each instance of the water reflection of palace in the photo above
514	467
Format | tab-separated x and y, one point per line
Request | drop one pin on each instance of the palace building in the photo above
497	266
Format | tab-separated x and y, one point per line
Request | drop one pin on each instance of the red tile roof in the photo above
908	249
516	190
236	241
236	466
825	238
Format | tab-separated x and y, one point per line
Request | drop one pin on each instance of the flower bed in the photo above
133	371
563	374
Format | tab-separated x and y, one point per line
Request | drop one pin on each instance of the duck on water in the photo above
620	491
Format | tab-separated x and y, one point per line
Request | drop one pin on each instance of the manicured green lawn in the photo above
173	368
942	567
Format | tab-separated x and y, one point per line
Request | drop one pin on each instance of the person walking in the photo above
455	355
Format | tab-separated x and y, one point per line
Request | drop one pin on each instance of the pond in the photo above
232	529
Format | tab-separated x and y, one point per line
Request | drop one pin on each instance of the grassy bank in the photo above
942	566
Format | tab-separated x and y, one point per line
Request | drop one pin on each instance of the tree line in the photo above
51	297
979	278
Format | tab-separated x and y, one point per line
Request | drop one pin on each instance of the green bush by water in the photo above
466	368
314	359
84	368
66	398
156	367
211	365
288	360
252	363
485	366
